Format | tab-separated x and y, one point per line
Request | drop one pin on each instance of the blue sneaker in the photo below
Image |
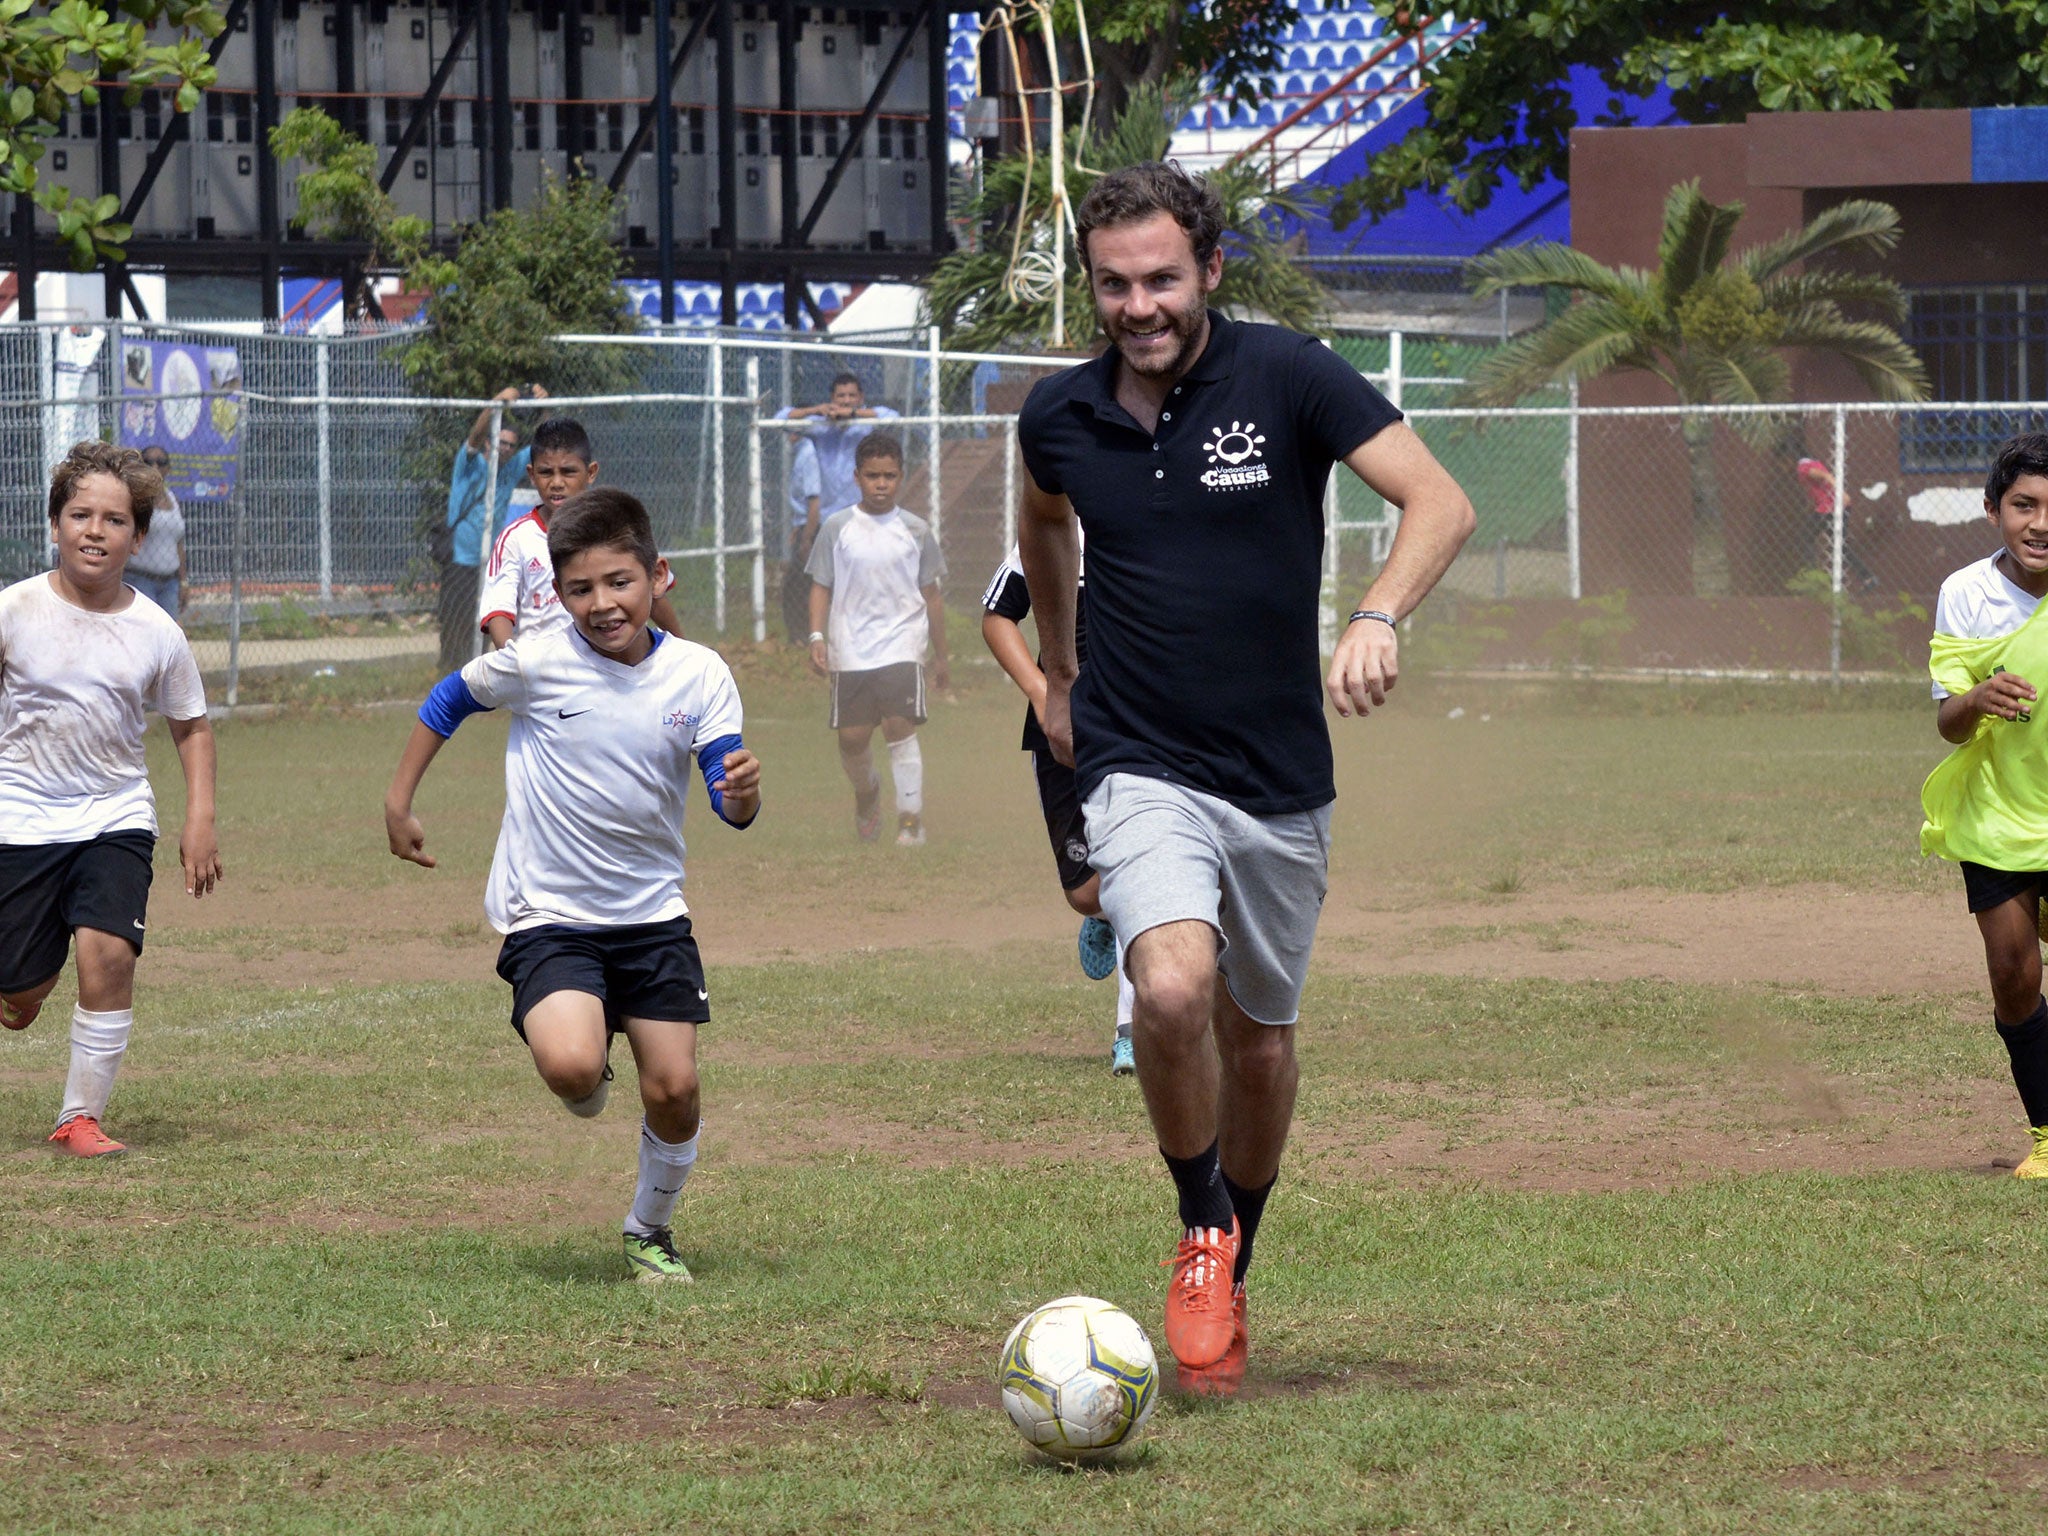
1123	1061
1098	948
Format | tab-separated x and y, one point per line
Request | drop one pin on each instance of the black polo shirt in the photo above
1205	546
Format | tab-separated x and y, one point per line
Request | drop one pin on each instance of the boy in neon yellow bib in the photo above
1987	803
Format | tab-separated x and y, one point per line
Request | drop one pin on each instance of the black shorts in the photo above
1986	887
1060	798
887	693
638	971
49	889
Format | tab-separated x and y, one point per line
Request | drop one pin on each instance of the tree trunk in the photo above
1710	576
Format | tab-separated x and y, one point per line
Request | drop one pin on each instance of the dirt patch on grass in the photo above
441	1419
1820	938
2009	1471
1574	1149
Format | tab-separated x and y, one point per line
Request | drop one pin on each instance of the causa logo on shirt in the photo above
1236	455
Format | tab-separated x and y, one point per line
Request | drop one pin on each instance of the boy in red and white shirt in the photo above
519	585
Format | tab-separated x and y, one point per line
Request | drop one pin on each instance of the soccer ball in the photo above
1078	1377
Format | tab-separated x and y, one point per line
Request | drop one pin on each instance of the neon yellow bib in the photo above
1987	801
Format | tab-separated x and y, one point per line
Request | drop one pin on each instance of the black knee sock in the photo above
1204	1202
2027	1043
1250	1205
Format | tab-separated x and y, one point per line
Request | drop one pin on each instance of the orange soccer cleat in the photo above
81	1136
1226	1377
1199	1314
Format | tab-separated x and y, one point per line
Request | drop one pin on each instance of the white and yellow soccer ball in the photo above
1079	1378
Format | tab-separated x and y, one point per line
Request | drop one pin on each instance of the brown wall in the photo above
1785	169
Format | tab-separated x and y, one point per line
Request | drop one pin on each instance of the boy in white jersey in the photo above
519	585
1004	607
875	572
1987	802
587	881
81	659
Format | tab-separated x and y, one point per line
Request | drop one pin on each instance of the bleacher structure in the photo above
808	147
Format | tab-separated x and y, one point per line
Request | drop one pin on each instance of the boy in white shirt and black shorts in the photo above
82	660
587	881
875	573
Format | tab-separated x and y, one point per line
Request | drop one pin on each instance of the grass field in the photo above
1646	1176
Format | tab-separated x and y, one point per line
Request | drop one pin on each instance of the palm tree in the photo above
1716	331
974	301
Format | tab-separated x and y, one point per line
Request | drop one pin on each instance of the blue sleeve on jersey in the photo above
711	761
449	705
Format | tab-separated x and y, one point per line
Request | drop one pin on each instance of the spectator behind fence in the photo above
468	524
157	568
835	429
805	489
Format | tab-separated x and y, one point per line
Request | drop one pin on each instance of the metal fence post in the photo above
932	439
1010	451
483	554
1571	496
1835	580
325	488
1390	515
235	595
716	361
754	494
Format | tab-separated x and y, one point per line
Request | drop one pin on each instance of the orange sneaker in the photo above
1226	1376
81	1136
1198	1309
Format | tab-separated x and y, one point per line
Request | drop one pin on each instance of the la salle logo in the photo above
1236	457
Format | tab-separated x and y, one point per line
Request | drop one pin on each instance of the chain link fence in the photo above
1788	540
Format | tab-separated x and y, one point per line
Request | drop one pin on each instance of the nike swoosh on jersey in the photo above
571	714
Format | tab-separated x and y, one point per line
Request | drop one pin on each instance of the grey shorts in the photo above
1170	854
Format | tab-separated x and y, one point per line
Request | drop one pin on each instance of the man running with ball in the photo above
1196	452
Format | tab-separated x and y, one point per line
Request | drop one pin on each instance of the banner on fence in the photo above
187	399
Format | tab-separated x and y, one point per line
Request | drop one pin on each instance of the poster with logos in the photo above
186	398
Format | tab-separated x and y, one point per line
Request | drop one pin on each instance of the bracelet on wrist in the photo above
817	637
1372	613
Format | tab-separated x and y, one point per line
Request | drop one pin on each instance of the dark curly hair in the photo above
2026	454
144	485
1137	192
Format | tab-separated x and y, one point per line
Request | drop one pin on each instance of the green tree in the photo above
1714	329
971	302
52	56
515	281
340	198
1167	45
1500	105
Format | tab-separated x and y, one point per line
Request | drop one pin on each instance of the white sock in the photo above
97	1041
906	767
1126	995
664	1170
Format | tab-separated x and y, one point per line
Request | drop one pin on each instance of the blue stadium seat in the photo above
1326	58
1355	27
1268	115
1323	83
1297	58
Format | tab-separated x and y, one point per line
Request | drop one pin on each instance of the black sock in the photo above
2027	1043
1250	1205
1204	1202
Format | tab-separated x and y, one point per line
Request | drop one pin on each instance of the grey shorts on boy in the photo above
1168	854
